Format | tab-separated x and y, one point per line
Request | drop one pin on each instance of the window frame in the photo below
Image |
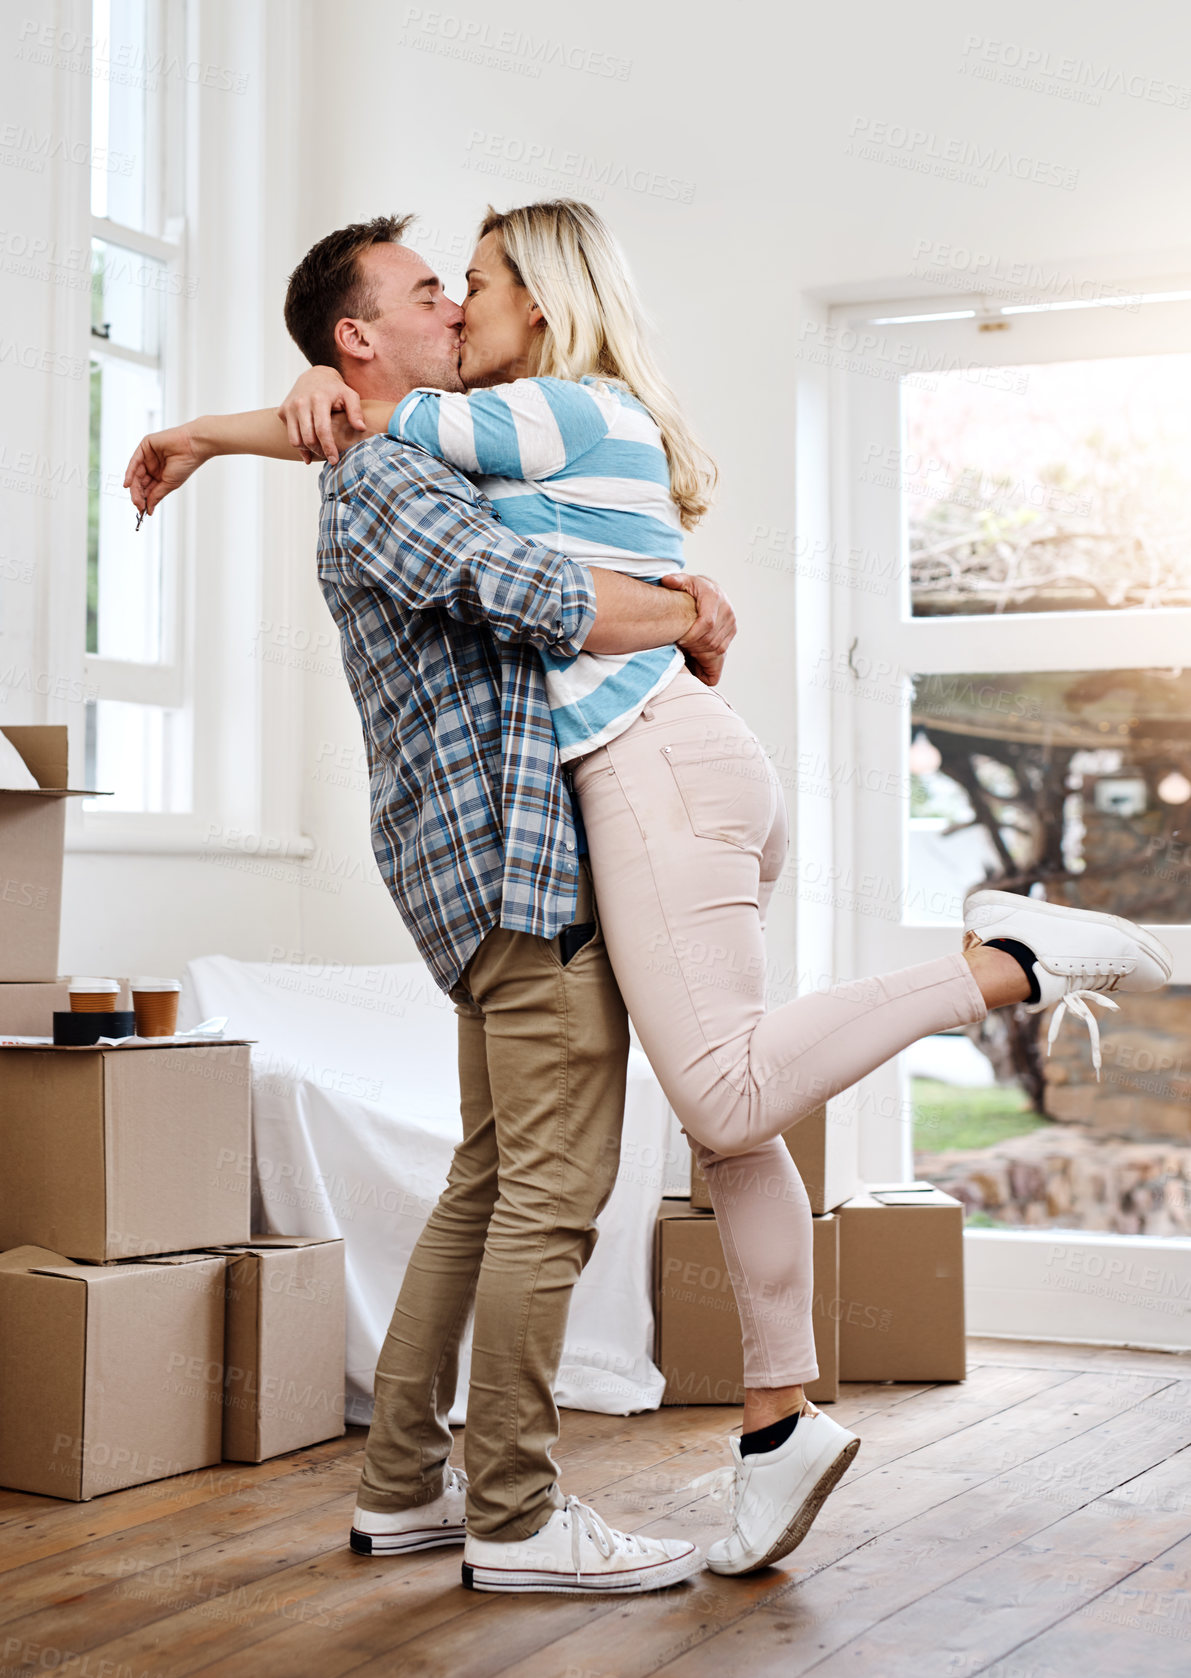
167	683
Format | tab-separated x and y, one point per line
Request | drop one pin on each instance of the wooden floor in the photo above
1033	1522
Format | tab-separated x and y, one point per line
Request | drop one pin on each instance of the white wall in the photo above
752	110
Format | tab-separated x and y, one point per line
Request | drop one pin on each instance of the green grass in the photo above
946	1116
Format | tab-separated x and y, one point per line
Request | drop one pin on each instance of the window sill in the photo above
134	841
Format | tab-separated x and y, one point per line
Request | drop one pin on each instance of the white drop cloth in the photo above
355	1112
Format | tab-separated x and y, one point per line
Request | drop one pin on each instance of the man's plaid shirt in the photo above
441	612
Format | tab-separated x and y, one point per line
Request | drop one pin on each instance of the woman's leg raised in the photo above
679	811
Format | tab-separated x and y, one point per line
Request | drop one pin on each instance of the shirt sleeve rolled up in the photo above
420	534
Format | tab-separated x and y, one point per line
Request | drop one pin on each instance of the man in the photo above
442	613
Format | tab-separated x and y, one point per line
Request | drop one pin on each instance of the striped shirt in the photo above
442	615
579	467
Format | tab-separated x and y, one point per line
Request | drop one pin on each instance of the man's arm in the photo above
416	533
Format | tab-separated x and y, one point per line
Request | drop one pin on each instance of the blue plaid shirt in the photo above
442	615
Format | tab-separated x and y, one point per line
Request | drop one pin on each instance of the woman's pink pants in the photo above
687	831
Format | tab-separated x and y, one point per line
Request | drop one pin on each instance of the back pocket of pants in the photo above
727	787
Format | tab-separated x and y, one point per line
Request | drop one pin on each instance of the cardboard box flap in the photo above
257	1243
31	1258
46	755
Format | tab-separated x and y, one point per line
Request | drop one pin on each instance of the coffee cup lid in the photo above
94	987
155	984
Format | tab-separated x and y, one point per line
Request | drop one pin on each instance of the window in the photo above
138	739
1011	654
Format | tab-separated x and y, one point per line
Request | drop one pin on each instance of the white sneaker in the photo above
1078	953
578	1552
777	1494
399	1531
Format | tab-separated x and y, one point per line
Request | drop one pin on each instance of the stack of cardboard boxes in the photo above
888	1278
144	1331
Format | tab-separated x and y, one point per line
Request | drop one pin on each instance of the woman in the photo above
579	444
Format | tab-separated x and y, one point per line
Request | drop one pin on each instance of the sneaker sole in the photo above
804	1517
402	1543
565	1584
1013	900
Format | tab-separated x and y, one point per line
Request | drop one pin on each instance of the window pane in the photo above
121	95
141	755
1077	783
1049	488
124	583
126	294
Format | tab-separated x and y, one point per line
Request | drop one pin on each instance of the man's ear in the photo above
351	340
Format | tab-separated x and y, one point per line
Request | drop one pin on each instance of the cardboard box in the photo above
117	1153
697	1325
823	1147
285	1346
32	840
901	1261
110	1375
28	1010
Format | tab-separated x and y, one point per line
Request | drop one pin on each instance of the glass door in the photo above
1022	675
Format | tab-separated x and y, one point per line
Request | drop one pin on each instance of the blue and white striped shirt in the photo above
578	467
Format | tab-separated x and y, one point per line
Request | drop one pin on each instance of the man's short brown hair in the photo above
327	286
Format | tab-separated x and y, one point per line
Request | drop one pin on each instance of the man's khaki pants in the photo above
543	1051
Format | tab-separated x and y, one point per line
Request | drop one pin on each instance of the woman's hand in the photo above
307	411
161	463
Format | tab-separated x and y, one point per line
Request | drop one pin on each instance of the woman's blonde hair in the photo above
567	260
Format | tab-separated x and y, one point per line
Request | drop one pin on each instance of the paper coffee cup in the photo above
93	996
156	1004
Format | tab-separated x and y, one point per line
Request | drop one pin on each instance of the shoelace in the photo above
585	1520
1077	1001
720	1485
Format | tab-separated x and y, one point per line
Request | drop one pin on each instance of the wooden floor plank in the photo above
1142	1625
40	1530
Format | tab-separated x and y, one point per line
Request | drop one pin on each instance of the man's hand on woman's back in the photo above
707	641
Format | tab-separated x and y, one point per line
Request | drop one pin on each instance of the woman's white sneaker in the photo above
577	1552
778	1493
1079	954
399	1531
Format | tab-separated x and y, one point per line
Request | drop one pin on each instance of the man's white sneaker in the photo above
778	1493
578	1552
398	1532
1078	953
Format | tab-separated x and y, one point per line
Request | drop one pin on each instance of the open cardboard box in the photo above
32	841
285	1345
698	1346
110	1375
110	1153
